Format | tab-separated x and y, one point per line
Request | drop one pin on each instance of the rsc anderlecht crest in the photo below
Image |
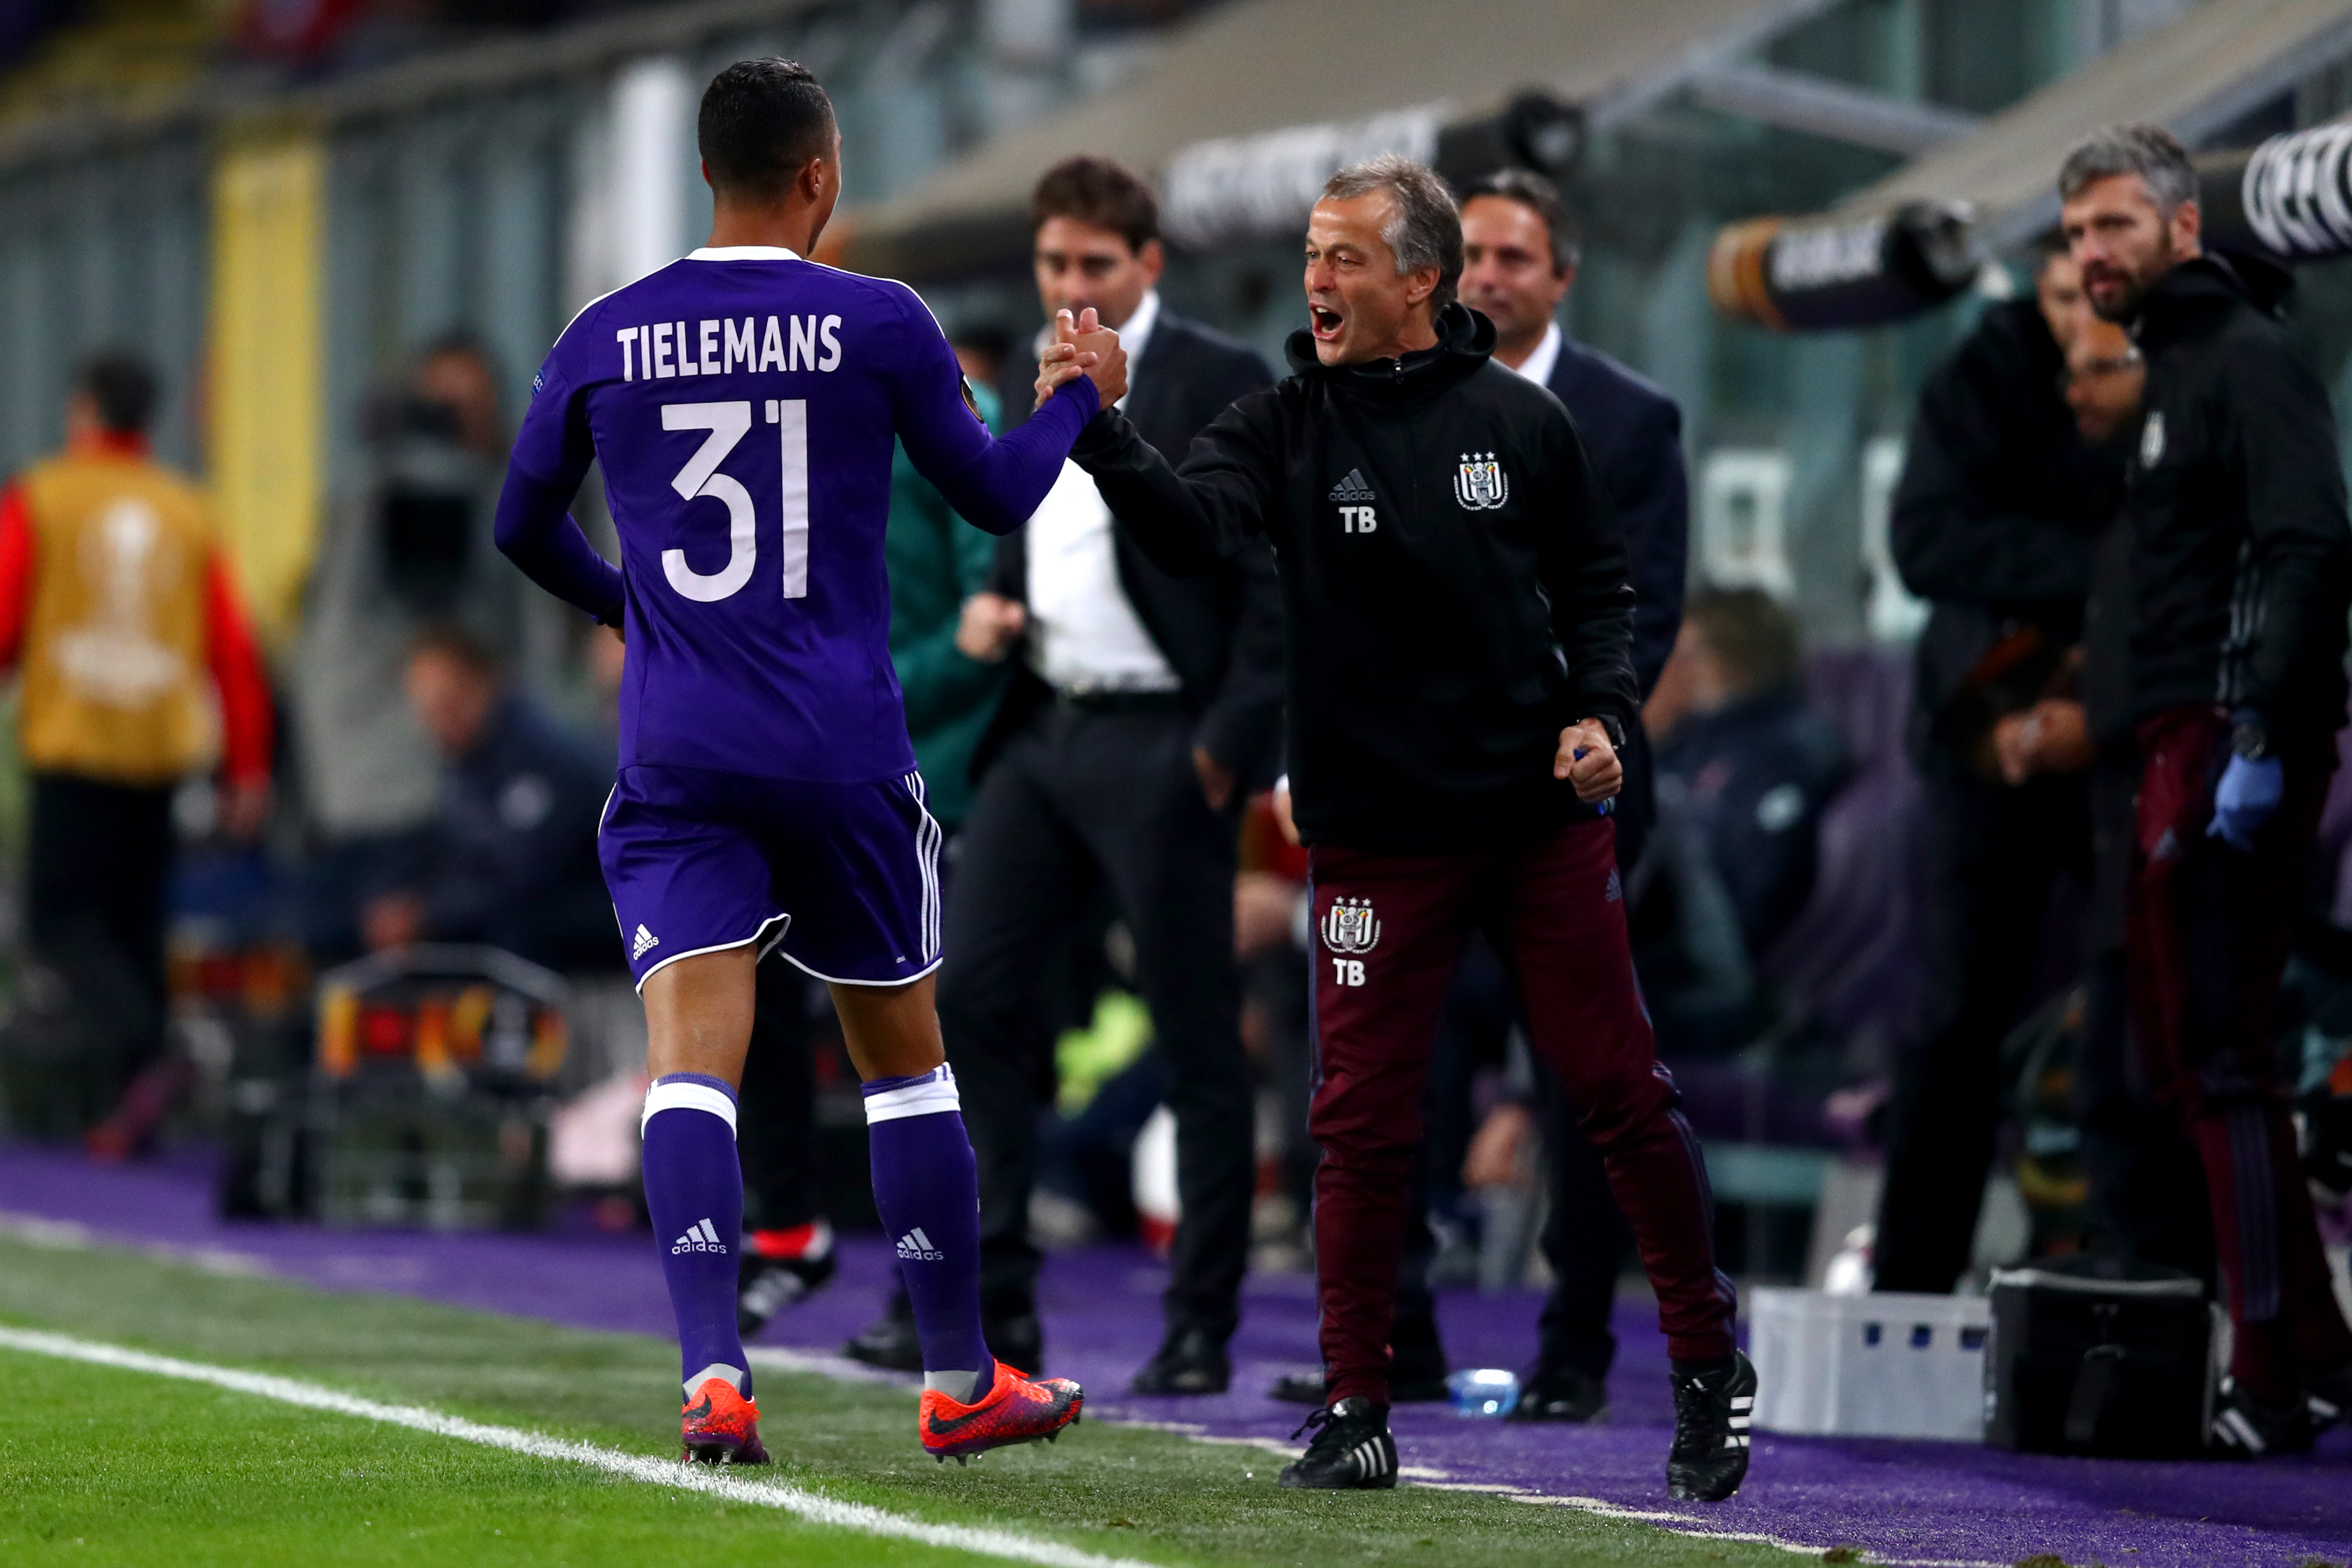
1350	927
1480	485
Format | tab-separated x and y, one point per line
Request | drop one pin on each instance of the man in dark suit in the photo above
1520	256
1142	708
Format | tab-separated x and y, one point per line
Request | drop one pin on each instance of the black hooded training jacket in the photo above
2242	558
1454	582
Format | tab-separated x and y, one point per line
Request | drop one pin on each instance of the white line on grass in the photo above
813	1507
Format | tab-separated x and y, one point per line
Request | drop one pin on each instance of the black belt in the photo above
1112	699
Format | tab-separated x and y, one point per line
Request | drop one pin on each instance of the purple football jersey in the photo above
744	403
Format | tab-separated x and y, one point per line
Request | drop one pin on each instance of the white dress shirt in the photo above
1544	360
1084	635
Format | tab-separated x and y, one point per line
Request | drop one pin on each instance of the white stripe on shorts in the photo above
927	838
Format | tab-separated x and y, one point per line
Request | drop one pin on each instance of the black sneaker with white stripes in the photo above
2245	1428
1709	1458
1351	1449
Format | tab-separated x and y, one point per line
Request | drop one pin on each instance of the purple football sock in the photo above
694	1189
927	1188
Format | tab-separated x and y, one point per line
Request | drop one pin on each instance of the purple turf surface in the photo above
1899	1500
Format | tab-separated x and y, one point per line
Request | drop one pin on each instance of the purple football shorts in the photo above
844	878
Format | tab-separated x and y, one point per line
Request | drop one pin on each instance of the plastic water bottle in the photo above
1484	1393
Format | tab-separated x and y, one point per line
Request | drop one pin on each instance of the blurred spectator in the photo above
1744	771
120	609
1992	525
2147	1189
509	857
410	548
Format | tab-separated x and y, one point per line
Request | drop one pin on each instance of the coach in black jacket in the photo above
2242	572
1142	708
1459	621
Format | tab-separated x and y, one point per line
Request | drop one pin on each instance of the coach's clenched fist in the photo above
1589	761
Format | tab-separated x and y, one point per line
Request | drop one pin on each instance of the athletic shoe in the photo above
1016	1410
2330	1398
1352	1450
1191	1360
2245	1428
780	1269
1709	1458
1562	1393
721	1426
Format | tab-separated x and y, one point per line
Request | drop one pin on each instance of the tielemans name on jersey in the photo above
664	350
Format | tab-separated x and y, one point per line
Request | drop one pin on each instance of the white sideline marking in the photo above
815	1507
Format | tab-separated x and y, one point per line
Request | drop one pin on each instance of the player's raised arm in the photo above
995	483
535	528
1188	521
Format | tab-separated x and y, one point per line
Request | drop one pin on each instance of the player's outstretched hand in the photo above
1586	760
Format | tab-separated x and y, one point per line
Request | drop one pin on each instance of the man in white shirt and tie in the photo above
1143	707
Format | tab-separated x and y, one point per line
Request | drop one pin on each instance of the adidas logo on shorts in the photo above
701	1238
916	1246
644	939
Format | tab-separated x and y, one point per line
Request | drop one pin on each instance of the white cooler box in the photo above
1870	1366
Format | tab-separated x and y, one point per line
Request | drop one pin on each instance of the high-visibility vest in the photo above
116	684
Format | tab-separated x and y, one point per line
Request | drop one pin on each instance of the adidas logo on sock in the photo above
644	939
1352	488
701	1238
917	1247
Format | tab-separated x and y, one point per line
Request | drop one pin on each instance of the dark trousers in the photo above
775	1104
98	859
1993	854
1391	929
2210	928
1078	799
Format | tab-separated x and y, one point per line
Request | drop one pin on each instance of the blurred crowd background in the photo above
340	236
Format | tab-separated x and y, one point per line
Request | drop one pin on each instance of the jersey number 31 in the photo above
728	422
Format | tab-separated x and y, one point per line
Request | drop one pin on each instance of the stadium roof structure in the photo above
2197	75
1261	98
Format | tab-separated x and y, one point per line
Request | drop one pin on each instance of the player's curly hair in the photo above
1425	230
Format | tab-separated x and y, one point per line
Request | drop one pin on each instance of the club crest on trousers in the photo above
1481	485
1351	926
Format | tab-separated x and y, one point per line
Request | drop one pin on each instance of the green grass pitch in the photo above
105	1466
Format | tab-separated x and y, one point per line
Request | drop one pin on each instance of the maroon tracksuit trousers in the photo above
2209	930
1389	930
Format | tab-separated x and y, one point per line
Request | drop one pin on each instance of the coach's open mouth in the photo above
1325	322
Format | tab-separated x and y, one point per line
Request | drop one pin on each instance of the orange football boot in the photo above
1015	1410
721	1426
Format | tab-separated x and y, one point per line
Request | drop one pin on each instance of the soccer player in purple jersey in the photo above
744	403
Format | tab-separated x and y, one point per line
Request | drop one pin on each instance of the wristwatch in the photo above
1615	730
2248	738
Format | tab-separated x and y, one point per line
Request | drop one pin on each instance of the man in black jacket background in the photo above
1459	627
1142	708
1993	522
2240	576
1519	259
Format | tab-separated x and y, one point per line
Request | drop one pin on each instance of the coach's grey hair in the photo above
1425	230
2150	151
